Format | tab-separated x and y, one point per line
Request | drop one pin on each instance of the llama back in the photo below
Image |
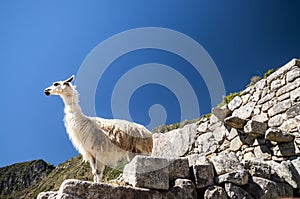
129	136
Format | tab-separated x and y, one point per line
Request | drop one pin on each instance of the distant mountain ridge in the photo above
16	178
28	179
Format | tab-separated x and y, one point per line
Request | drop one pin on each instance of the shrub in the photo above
254	79
228	98
269	72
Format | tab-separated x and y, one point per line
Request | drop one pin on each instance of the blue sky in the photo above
45	41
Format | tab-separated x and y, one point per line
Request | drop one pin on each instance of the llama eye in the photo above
56	84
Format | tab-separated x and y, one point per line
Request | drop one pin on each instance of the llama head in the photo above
61	87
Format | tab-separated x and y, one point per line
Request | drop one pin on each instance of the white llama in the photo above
99	141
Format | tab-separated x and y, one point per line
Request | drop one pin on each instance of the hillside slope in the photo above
28	179
18	177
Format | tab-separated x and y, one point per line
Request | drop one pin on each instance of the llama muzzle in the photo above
47	92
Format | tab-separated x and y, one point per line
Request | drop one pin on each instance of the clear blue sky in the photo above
45	41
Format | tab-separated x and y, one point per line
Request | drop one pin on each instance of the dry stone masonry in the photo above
249	148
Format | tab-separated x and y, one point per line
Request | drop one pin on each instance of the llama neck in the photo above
71	104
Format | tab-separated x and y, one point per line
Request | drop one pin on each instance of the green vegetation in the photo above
228	98
170	127
207	115
269	72
112	173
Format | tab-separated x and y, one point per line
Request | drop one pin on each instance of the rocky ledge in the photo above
249	148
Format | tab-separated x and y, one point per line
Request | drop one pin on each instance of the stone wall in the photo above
249	148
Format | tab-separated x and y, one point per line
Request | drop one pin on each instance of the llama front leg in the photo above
92	162
99	171
97	168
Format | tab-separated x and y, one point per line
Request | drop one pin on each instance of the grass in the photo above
228	98
269	72
170	127
74	168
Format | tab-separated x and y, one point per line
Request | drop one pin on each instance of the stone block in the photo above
238	177
214	192
264	188
262	117
196	159
255	96
248	155
236	192
289	125
283	97
226	162
293	74
203	175
266	98
219	133
288	87
202	170
183	189
262	152
279	107
236	144
286	150
260	85
255	128
260	168
267	105
202	128
235	103
278	135
235	122
179	168
245	98
276	84
76	189
289	173
232	134
293	111
282	70
213	119
206	143
147	172
175	143
221	113
275	121
245	111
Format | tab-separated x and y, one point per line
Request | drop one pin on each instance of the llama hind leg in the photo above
130	156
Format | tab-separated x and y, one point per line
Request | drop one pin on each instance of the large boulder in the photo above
238	177
267	189
183	189
174	143
215	192
76	189
147	172
236	192
226	162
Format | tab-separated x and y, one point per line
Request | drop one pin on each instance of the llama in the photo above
100	141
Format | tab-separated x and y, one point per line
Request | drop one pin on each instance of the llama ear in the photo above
70	79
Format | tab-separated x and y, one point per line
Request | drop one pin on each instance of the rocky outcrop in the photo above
17	177
249	148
